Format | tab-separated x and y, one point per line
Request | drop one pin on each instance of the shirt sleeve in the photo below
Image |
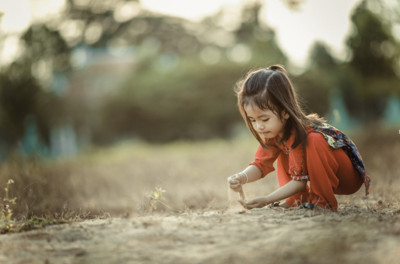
297	164
264	159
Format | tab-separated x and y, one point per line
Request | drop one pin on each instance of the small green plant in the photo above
156	198
6	221
37	223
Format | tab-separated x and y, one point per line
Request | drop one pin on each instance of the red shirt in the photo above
264	158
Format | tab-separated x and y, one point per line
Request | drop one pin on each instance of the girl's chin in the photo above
267	136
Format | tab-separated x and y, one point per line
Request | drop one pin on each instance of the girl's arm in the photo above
250	174
253	173
283	192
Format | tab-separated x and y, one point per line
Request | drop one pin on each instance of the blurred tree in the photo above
317	84
321	57
191	95
45	51
192	102
260	38
372	65
370	44
294	4
18	91
111	23
181	84
25	86
21	97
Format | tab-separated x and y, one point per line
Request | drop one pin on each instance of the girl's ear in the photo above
285	115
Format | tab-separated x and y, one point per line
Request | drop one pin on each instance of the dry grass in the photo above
119	180
195	225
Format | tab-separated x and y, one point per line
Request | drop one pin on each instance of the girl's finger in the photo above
248	204
251	205
235	185
251	202
234	181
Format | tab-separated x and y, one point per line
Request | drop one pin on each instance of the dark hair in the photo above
271	89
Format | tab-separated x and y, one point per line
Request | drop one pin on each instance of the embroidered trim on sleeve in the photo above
300	178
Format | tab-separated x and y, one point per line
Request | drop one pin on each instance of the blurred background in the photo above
83	74
80	73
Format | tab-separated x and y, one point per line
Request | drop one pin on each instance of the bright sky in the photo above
323	20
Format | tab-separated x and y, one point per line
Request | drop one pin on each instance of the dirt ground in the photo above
355	234
198	222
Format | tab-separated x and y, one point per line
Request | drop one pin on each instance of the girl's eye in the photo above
265	120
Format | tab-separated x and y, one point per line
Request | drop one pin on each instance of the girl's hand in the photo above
255	203
236	181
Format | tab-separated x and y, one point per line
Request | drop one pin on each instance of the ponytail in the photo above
277	67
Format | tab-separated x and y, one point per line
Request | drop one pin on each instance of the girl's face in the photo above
265	122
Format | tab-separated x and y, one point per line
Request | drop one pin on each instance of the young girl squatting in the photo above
307	149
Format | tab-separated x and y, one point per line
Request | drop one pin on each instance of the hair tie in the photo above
277	67
272	68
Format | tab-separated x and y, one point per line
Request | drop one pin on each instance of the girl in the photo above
306	148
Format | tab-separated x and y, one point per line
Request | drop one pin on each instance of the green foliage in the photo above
6	213
181	82
38	223
34	183
366	80
316	85
18	99
170	94
25	86
313	92
45	47
156	198
191	102
371	43
9	224
188	98
371	70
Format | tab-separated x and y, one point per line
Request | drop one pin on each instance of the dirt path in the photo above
265	235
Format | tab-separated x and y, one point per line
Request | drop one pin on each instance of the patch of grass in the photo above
42	189
156	198
8	224
6	221
38	223
115	181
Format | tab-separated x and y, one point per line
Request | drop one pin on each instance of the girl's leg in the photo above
284	177
330	171
349	178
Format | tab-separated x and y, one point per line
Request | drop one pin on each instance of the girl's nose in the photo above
260	126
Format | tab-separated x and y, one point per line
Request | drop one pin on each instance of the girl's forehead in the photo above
254	109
